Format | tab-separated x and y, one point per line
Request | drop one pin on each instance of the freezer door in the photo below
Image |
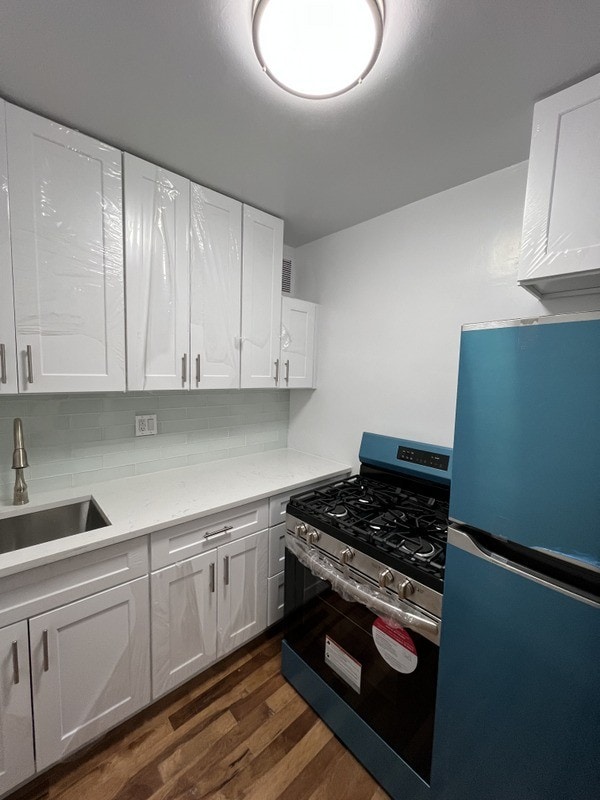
527	440
518	709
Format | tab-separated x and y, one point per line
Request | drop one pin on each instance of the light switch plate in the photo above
145	425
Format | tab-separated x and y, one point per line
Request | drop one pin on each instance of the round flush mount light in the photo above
317	48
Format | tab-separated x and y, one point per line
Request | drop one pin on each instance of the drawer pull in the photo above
287	372
198	370
211	578
220	532
226	570
45	650
15	660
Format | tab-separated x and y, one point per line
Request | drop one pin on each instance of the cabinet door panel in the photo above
184	621
157	258
298	343
16	730
242	596
97	669
262	256
216	234
8	356
276	598
276	549
561	225
66	226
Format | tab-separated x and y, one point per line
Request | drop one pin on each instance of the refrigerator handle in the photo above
463	541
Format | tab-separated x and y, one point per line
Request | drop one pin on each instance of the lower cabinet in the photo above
90	668
205	607
82	668
16	728
275	585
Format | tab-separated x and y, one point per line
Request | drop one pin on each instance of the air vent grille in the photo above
286	277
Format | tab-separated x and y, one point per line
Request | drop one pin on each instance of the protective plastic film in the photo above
350	589
66	227
216	223
157	219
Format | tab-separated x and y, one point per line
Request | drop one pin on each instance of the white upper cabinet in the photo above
262	256
216	234
298	320
8	356
66	231
560	249
157	212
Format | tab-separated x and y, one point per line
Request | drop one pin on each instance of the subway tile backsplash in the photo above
73	440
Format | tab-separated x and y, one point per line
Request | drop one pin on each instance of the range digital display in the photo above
424	458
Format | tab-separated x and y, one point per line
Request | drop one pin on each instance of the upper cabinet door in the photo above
157	210
262	256
8	356
216	235
560	248
66	226
298	343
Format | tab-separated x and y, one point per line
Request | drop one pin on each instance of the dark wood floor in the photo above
237	731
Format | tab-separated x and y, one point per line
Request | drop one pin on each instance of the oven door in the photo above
382	671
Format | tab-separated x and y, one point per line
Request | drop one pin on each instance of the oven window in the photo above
398	705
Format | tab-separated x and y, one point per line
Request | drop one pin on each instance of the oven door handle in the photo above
350	589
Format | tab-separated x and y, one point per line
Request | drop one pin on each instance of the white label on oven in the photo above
395	645
348	668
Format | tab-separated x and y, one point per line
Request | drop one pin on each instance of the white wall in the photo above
393	293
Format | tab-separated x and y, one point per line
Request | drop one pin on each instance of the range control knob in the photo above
385	578
405	589
301	530
313	536
346	555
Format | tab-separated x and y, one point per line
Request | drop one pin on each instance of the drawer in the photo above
200	535
38	590
276	549
275	592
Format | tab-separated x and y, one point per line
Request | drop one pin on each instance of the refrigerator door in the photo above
527	441
518	708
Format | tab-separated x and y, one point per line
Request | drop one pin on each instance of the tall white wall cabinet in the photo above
157	210
560	249
261	299
8	356
67	253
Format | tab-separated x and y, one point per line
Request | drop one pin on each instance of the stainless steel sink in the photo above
35	527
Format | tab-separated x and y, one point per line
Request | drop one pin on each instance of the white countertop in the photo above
145	503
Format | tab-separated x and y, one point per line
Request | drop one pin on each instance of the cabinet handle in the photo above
29	365
225	529
212	578
2	363
184	369
287	372
276	371
45	650
15	660
226	570
198	369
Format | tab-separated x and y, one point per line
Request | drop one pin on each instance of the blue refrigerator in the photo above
518	714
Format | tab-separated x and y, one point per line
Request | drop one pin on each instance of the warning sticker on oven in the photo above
342	663
395	645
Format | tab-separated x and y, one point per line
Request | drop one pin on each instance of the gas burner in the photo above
365	499
389	520
419	548
338	511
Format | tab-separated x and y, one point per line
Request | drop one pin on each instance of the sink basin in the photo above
36	527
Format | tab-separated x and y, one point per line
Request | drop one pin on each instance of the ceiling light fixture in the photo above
317	48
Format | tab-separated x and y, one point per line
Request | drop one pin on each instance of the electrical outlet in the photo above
145	425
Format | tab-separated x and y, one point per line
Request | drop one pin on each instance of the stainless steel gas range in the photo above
363	601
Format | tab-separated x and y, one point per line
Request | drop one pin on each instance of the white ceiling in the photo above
176	81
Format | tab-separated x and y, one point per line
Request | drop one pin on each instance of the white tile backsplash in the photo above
76	439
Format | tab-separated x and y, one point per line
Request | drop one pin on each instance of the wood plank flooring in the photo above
239	730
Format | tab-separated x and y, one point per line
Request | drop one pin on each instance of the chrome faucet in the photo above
19	462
